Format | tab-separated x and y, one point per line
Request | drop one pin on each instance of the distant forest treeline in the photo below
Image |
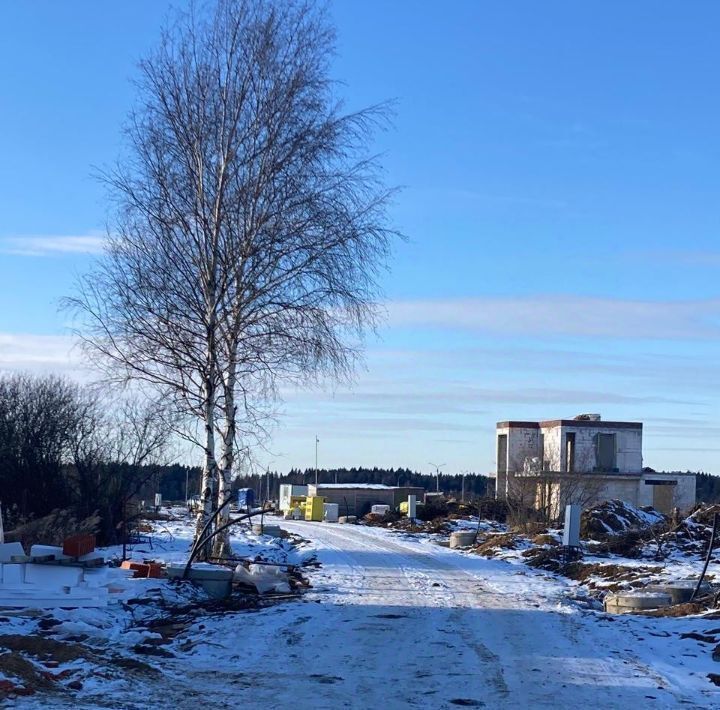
172	480
708	488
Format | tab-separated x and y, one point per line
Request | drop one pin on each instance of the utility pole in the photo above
437	474
464	473
317	441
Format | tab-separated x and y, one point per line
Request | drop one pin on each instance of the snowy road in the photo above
404	624
394	621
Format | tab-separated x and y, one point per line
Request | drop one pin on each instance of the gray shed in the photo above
356	498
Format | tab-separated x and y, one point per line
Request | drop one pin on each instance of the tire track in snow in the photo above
532	670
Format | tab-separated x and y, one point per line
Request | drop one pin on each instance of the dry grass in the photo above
687	609
25	672
45	649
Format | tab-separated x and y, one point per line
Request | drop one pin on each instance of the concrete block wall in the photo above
523	443
629	450
501	465
683	493
618	489
628	444
553	449
686	493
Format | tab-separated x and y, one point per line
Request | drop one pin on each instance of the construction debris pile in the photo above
73	575
633	559
68	603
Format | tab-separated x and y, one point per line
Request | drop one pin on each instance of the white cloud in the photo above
549	315
28	352
52	245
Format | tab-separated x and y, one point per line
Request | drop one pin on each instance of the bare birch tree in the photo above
250	225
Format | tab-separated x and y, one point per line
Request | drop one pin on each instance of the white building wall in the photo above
553	448
501	465
548	444
523	443
629	450
628	447
619	489
684	492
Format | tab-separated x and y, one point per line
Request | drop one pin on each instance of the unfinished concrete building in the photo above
582	460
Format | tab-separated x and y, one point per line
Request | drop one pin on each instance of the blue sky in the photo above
559	163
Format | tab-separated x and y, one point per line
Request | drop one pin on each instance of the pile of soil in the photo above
493	509
545	539
621	577
395	522
628	543
543	558
614	517
494	543
598	578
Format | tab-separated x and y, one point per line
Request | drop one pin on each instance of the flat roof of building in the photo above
577	423
372	486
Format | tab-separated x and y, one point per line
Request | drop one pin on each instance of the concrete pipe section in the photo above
628	602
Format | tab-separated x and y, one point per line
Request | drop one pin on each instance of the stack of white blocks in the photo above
28	584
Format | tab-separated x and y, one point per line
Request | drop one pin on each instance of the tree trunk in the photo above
221	546
209	475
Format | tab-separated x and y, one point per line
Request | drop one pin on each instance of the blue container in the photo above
246	498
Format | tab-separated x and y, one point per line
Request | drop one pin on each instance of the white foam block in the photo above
53	576
94	555
13	574
100	576
8	549
48	600
42	550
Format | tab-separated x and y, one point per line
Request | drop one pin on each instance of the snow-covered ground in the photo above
394	621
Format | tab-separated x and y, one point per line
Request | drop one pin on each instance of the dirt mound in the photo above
543	558
433	509
545	539
43	648
627	543
614	517
687	609
395	522
52	529
493	543
493	509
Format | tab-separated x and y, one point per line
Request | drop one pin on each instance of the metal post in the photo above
437	475
124	530
187	472
317	441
